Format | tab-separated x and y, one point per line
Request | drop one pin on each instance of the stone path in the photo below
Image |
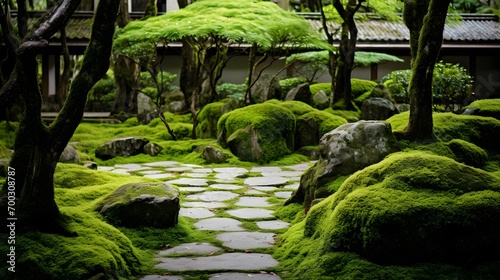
222	201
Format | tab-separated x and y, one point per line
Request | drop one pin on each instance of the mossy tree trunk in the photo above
37	147
426	20
342	95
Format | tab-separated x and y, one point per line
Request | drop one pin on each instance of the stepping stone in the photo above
196	213
189	182
191	248
105	168
266	181
243	276
266	169
227	186
294	179
226	178
191	165
251	191
162	277
283	174
195	175
203	170
178	169
219	224
121	171
253	202
231	170
129	166
293	186
212	196
159	176
246	240
272	224
264	189
162	163
149	172
284	195
251	213
300	167
231	261
191	189
209	205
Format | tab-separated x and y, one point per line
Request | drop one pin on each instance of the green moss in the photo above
468	153
359	86
326	122
326	87
4	152
8	132
210	115
298	108
350	116
486	107
287	84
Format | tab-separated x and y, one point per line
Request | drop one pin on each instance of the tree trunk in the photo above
420	124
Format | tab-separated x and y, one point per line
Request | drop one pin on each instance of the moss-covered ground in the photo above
310	249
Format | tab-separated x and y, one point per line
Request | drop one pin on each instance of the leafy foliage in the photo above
360	58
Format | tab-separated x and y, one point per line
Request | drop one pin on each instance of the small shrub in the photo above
165	80
233	91
397	82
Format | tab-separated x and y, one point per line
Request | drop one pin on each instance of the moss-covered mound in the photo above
258	133
410	208
481	131
209	116
486	108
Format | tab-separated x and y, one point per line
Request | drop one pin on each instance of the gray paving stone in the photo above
121	171
300	167
243	276
196	213
283	174
266	169
160	176
219	224
264	189
203	170
293	186
195	175
149	172
105	168
231	170
162	163
209	205
231	261
179	169
253	201
191	165
246	240
161	277
266	181
212	196
283	194
253	192
191	248
130	166
226	178
272	224
227	186
191	189
251	213
196	182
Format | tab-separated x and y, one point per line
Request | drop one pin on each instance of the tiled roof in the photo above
463	31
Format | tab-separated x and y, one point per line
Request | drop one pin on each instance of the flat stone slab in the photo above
283	174
231	170
246	240
228	187
202	170
149	172
179	169
225	177
208	205
212	196
196	213
254	192
121	171
219	224
243	276
272	224
162	163
195	175
162	277
300	167
293	186
196	182
159	176
192	165
130	166
191	189
283	194
264	189
230	261
105	168
266	181
266	169
251	213
253	202
191	248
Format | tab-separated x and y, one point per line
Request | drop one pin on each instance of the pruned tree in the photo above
209	28
37	147
425	20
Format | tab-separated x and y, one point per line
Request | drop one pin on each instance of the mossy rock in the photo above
360	86
485	108
412	208
313	125
297	108
258	133
143	204
468	153
325	87
481	131
210	115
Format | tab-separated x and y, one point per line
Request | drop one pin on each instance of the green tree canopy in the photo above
360	58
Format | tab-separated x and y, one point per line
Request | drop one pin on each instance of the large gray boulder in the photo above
377	108
212	154
300	93
126	146
152	149
320	100
142	205
69	155
343	151
266	88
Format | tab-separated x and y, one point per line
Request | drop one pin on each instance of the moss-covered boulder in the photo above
213	154
377	108
258	133
300	93
312	125
468	153
210	115
346	149
69	155
125	146
143	204
485	108
412	207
